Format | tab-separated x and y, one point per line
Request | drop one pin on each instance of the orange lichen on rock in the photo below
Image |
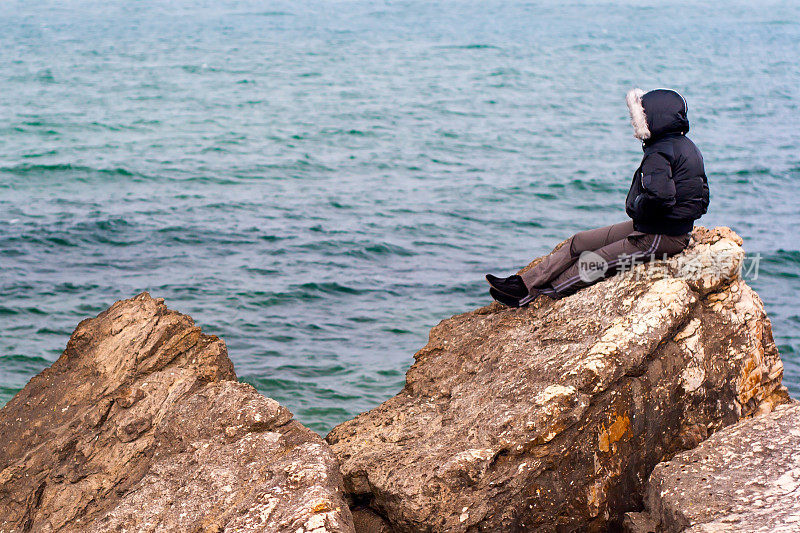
613	433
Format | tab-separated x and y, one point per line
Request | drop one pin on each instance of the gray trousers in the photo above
614	247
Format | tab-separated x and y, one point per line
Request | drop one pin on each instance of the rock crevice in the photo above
745	477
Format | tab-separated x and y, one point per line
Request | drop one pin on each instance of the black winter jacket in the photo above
669	190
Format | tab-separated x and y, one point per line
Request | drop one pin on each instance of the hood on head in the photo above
656	113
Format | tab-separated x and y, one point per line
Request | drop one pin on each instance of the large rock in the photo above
744	478
141	426
553	416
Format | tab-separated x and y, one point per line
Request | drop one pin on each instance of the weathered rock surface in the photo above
744	478
141	426
553	416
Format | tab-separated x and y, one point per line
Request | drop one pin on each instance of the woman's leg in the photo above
632	250
560	260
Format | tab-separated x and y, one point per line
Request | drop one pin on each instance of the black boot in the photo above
508	301
511	286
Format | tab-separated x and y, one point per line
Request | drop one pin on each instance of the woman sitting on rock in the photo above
669	192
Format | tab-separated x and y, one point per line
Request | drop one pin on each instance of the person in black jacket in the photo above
668	193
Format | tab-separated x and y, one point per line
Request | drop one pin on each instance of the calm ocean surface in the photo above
319	183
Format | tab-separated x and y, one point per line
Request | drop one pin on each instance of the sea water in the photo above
319	183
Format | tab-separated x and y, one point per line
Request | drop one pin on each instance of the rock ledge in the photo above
140	425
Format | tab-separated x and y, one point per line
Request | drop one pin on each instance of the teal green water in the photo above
319	183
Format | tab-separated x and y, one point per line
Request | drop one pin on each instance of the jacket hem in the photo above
672	229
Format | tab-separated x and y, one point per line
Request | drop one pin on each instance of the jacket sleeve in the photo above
658	188
705	194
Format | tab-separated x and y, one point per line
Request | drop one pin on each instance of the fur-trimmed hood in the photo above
657	113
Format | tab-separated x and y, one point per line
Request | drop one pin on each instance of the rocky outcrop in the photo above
140	425
744	478
552	417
